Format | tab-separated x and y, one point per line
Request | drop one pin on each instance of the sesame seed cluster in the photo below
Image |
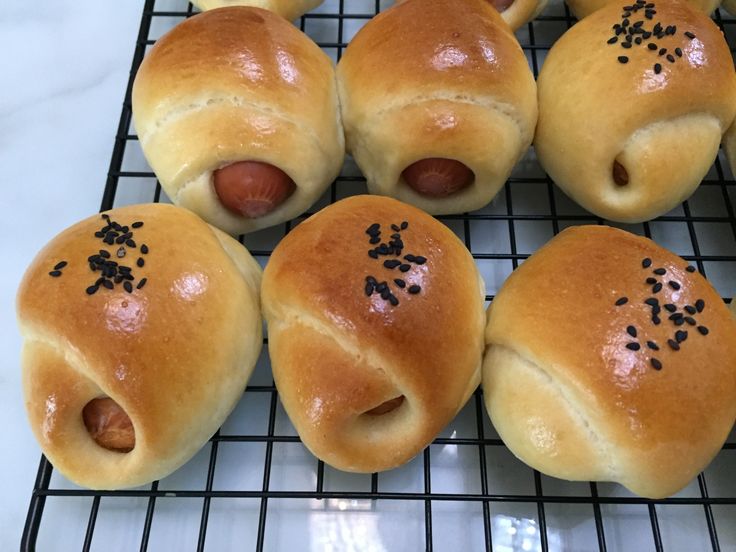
677	315
112	273
633	31
394	248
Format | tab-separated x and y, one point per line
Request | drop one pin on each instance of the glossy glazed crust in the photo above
567	395
175	355
583	8
288	9
663	128
238	84
457	86
337	353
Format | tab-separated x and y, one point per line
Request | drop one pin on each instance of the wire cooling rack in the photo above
254	485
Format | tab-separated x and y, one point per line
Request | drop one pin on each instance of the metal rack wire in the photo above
702	230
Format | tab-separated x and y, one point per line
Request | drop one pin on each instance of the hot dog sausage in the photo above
501	5
252	189
437	177
109	425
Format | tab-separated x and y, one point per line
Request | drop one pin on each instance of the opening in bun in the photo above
386	406
620	174
109	425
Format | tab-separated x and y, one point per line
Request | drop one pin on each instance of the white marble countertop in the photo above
65	66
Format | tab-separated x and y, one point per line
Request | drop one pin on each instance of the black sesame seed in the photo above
675	316
373	229
657	28
656	320
703	330
372	254
370	279
670	307
613	40
141	283
99	234
619	30
649	15
385	294
374	240
369	288
652	345
108	284
679	321
144	249
104	254
638	24
625	45
674	345
404	225
638	40
392	263
128	286
119	278
699	305
652	46
670	58
680	336
625	23
652	301
399	282
657	68
674	285
656	309
690	320
678	51
657	288
395	228
55	273
651	281
396	236
105	216
622	301
662	51
380	288
120	239
420	260
659	271
690	309
137	224
690	268
411	258
393	300
655	363
414	289
645	35
60	265
631	330
689	35
405	268
623	59
633	346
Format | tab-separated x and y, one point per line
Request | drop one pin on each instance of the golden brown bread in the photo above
660	116
572	396
339	354
288	9
439	79
583	8
175	352
514	12
238	84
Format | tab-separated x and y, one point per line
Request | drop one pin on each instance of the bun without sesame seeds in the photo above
288	9
609	359
129	367
632	110
375	330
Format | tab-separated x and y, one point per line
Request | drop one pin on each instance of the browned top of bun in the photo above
338	352
623	97
174	353
420	48
247	53
559	311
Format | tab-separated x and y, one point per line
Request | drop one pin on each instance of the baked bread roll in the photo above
236	111
288	9
514	12
583	8
608	358
375	330
438	103
629	124
141	328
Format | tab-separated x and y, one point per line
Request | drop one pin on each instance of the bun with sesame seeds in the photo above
141	328
608	358
438	103
375	330
236	111
288	9
632	108
583	8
